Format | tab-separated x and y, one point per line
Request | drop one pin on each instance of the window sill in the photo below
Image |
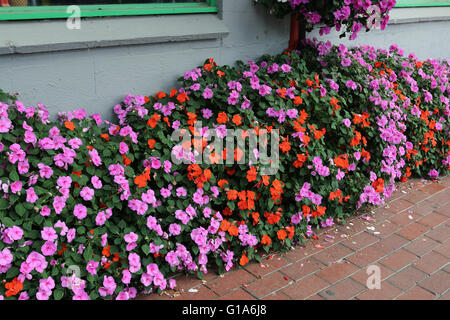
422	14
52	35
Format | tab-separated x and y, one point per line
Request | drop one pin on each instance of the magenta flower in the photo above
174	229
87	193
5	257
131	237
126	276
48	248
347	122
80	211
48	233
208	93
92	266
5	125
95	157
64	182
16	187
433	174
96	182
123	148
31	195
100	219
45	171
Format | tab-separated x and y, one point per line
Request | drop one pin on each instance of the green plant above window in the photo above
48	9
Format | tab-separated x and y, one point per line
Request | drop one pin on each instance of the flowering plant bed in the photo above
90	209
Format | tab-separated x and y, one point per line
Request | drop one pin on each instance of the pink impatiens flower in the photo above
80	211
5	257
96	182
16	187
45	211
45	171
48	248
71	235
96	160
87	193
31	195
48	233
92	267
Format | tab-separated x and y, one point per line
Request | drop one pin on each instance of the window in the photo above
422	3
48	9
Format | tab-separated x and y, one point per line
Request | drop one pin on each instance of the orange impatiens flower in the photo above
285	146
273	218
298	100
224	225
238	153
126	161
335	194
106	251
222	117
265	240
251	174
301	158
141	180
14	287
281	234
306	139
208	66
237	120
255	216
69	125
302	117
160	95
151	143
232	195
356	139
244	260
221	183
341	161
306	210
365	154
182	97
378	185
233	230
173	92
319	212
153	120
266	180
105	136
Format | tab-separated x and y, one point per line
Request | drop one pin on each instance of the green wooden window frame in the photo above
107	10
422	3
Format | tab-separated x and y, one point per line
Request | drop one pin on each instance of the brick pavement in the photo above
408	239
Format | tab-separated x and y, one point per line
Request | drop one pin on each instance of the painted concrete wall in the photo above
98	78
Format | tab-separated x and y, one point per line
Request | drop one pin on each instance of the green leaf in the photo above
146	249
12	273
58	294
20	209
87	254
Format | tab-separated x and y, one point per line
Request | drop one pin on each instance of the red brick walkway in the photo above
408	239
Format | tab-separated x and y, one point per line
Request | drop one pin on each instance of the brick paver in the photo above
408	239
